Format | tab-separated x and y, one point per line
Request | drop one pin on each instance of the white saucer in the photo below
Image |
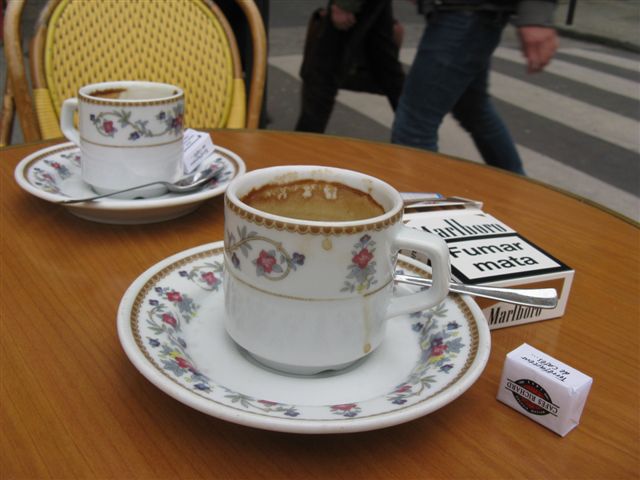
170	324
53	174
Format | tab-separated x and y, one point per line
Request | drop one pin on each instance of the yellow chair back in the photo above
188	43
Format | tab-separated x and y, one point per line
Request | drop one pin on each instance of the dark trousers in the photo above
336	55
451	74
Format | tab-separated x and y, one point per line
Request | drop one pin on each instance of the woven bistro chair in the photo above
189	43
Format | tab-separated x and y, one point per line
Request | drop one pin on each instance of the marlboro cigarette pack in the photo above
484	250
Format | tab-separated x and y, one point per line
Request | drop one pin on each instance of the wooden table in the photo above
73	407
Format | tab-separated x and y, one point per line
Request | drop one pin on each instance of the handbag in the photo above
358	77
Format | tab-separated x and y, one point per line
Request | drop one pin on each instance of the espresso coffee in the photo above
314	200
108	93
141	93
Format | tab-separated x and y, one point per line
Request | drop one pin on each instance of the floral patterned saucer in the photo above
53	174
171	325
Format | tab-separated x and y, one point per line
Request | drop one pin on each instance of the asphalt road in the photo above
576	125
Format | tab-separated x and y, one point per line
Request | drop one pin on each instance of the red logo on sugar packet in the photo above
532	397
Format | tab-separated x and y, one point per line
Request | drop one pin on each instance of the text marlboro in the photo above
484	250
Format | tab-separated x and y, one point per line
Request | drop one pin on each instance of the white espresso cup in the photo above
129	133
307	295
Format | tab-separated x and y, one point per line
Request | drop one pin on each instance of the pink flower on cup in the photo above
182	363
403	388
176	123
362	269
266	261
362	258
108	127
174	296
345	407
169	319
438	350
210	278
348	410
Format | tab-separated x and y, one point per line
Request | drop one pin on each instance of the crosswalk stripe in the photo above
454	141
407	55
373	106
571	179
592	120
589	119
620	62
603	81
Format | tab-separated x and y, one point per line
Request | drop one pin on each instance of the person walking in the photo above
450	72
352	32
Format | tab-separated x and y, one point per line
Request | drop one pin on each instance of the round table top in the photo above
73	407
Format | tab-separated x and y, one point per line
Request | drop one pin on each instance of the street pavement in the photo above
577	125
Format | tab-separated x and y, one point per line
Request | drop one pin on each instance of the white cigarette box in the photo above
484	250
544	389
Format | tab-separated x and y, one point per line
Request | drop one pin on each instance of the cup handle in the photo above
69	107
436	249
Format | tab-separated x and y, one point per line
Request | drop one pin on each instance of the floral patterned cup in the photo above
129	133
306	296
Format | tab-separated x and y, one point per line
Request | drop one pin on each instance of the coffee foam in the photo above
314	200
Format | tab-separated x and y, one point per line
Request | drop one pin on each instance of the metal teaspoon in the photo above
184	185
532	297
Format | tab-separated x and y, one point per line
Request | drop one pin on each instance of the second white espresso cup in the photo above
129	133
304	296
